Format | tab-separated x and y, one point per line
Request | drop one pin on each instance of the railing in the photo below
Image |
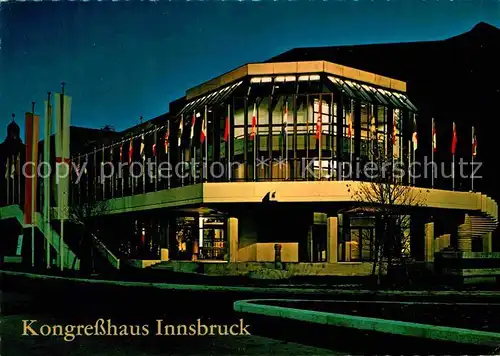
105	252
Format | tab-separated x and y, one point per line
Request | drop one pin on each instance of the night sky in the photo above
122	60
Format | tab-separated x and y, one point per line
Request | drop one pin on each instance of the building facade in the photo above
266	164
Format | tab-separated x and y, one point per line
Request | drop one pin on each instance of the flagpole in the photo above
320	128
156	157
229	143
61	220
7	179
414	181
205	125
46	190
182	152
143	170
33	197
168	153
453	172
286	143
103	181
432	153
472	161
352	129
255	138
18	173
409	162
13	172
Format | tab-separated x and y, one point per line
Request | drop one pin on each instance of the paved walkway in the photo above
289	290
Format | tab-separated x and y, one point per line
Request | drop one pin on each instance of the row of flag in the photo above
454	139
253	133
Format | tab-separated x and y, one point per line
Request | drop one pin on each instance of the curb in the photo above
403	328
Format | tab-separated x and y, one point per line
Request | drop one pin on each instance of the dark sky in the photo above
122	60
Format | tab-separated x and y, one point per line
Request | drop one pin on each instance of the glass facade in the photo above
271	128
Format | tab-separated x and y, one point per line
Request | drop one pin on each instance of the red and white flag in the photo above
226	129
349	125
203	133
414	136
142	152
394	126
193	122
181	131
165	139
454	139
253	131
434	139
318	125
474	143
130	151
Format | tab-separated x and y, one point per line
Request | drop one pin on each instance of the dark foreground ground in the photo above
17	307
64	302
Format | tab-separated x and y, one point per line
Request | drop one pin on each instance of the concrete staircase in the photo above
478	225
14	212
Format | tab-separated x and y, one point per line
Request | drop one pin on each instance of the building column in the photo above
445	241
310	247
331	239
429	242
487	242
464	239
232	238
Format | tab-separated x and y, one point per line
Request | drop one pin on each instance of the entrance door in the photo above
212	239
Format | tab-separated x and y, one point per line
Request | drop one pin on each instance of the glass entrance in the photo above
212	239
359	239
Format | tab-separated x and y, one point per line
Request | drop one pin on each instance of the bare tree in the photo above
386	196
84	216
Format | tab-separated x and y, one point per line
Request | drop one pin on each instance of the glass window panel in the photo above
277	111
239	132
239	117
263	116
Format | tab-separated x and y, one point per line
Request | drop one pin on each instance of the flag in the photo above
434	139
414	136
285	120
18	163
153	148
373	128
141	152
30	193
203	133
193	122
12	167
181	129
7	166
349	125
394	126
121	151
454	139
62	104
253	131
318	124
130	150
474	143
226	129
165	139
